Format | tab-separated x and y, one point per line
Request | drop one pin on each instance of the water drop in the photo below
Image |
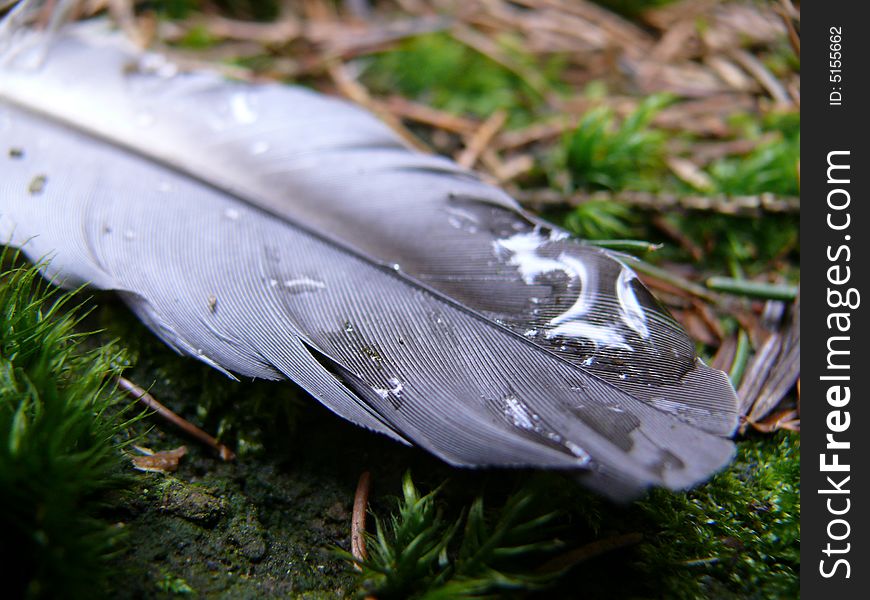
272	253
558	236
241	108
462	220
302	285
130	234
579	452
157	65
517	412
396	386
232	214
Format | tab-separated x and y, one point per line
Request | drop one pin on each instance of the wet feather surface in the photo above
273	232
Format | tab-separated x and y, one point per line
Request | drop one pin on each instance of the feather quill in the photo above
273	232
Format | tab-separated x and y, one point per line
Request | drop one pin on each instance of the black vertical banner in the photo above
835	235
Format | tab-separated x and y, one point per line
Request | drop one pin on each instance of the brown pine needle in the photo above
763	75
481	138
785	419
189	428
355	91
358	520
421	113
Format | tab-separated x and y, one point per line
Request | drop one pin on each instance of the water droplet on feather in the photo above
157	64
581	454
396	386
240	106
303	285
517	412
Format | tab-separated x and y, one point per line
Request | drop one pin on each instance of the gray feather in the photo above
272	232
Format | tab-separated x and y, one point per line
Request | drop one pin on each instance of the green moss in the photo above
174	9
600	220
756	244
58	417
604	154
438	70
174	585
197	38
194	502
739	534
422	554
772	166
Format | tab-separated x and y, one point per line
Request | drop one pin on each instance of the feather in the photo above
272	232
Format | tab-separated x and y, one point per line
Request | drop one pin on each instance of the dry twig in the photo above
189	428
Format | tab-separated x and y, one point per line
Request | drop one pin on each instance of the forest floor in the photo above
675	123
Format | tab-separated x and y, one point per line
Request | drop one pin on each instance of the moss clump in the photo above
771	166
437	69
422	554
737	536
57	455
604	154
